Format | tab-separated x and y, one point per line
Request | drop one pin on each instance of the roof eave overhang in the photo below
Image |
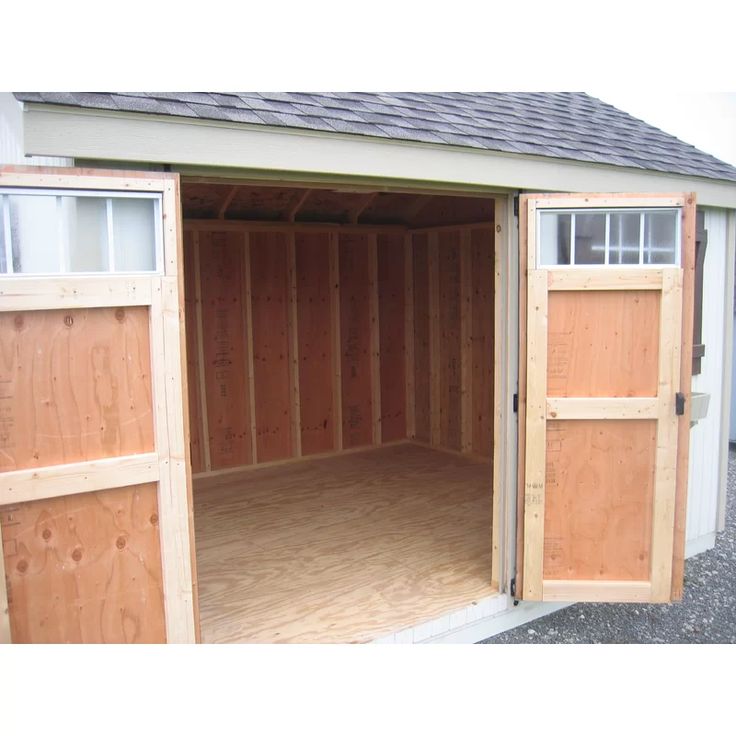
198	146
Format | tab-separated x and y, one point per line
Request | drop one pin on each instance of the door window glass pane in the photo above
61	231
134	234
555	238
85	226
660	236
34	233
624	238
3	266
590	238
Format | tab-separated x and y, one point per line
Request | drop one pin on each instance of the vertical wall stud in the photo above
409	336
336	342
296	422
375	339
200	354
248	322
466	342
434	340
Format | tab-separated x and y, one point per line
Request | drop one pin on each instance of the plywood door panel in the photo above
391	305
228	409
74	385
85	568
483	298
93	402
603	343
315	342
603	360
271	350
450	338
355	338
421	337
193	380
598	499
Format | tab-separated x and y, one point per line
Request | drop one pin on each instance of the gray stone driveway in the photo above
706	614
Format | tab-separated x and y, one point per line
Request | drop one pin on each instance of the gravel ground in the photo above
706	614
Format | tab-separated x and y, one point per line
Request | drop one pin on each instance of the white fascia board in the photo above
55	130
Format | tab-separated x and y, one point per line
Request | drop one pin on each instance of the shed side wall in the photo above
704	480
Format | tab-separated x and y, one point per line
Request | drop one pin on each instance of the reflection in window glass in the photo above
590	238
609	237
66	232
624	237
34	233
660	233
85	224
134	234
555	238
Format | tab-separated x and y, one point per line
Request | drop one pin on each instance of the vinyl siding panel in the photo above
705	439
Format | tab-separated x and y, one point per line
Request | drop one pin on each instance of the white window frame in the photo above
608	211
63	245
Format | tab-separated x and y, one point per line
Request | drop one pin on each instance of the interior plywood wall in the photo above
304	341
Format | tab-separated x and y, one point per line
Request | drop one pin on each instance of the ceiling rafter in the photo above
363	203
297	204
227	202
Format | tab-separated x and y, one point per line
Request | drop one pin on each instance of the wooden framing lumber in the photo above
248	322
501	527
299	201
200	356
536	434
375	345
434	340
32	484
585	279
593	591
466	343
591	408
227	202
665	471
281	225
174	475
409	336
296	428
686	366
5	637
336	342
361	206
74	292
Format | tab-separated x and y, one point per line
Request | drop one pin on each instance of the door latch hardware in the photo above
512	590
679	404
516	403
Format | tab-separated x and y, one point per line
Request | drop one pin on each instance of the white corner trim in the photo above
700	544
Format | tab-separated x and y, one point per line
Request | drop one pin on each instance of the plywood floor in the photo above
342	549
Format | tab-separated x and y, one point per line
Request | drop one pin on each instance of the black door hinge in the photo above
516	403
516	206
679	404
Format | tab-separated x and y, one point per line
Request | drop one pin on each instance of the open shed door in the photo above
604	395
95	488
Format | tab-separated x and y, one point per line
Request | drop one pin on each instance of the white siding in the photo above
732	434
705	438
11	137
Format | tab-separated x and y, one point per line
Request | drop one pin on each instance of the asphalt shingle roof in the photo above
565	125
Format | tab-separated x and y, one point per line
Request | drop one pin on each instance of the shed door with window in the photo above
94	475
604	411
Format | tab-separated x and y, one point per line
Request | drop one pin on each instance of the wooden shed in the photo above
298	367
